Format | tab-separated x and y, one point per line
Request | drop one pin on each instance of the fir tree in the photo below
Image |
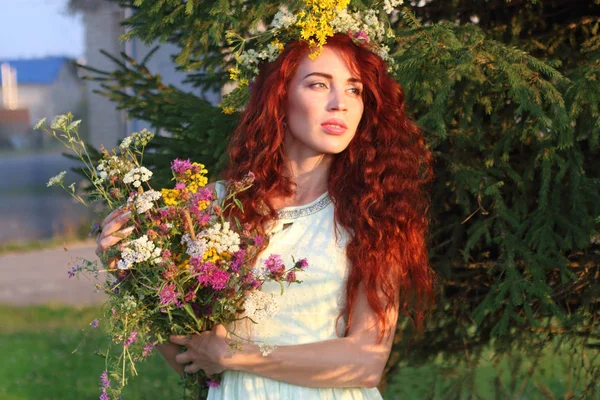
508	95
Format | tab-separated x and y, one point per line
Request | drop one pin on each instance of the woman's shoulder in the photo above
219	187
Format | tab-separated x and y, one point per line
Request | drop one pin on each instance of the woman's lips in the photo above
334	127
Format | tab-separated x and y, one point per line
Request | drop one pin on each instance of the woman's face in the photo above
324	106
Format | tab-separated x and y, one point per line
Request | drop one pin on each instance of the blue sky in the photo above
38	28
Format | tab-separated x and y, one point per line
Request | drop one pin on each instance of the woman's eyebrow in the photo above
330	77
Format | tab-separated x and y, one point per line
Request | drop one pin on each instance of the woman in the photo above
340	175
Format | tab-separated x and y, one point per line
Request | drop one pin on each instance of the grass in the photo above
24	246
39	362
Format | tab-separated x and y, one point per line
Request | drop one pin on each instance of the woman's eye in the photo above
355	91
319	85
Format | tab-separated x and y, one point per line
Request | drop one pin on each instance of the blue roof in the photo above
39	71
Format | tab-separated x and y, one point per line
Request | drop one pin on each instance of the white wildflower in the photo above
390	5
137	251
145	201
273	51
59	122
138	139
345	22
40	124
112	166
222	238
125	143
259	305
195	248
283	19
57	180
137	175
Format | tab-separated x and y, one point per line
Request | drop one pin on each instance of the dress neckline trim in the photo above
294	212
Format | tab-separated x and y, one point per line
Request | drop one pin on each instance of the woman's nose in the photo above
337	101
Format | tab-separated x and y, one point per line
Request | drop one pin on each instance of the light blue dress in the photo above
307	311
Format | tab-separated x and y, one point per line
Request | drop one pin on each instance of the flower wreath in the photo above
314	22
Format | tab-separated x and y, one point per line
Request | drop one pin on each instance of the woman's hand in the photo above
207	351
112	233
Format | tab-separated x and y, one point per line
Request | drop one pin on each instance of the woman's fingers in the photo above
116	223
182	340
184	358
114	214
104	242
191	368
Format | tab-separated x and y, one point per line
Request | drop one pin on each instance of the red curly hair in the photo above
378	183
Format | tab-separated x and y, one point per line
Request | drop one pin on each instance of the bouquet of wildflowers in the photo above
184	268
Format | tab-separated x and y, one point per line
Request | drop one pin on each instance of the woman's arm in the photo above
356	360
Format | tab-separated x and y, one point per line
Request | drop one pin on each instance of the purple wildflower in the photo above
104	395
148	349
94	323
74	270
238	260
131	339
104	379
259	240
168	295
180	186
95	229
275	265
180	166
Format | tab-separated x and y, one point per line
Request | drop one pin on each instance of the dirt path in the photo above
40	277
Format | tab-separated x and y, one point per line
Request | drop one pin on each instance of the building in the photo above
33	89
102	24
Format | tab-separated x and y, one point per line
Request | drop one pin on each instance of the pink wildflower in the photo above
180	186
131	339
302	264
210	275
218	279
168	295
361	36
190	296
258	240
203	219
211	383
275	266
148	349
104	379
180	166
291	277
166	254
